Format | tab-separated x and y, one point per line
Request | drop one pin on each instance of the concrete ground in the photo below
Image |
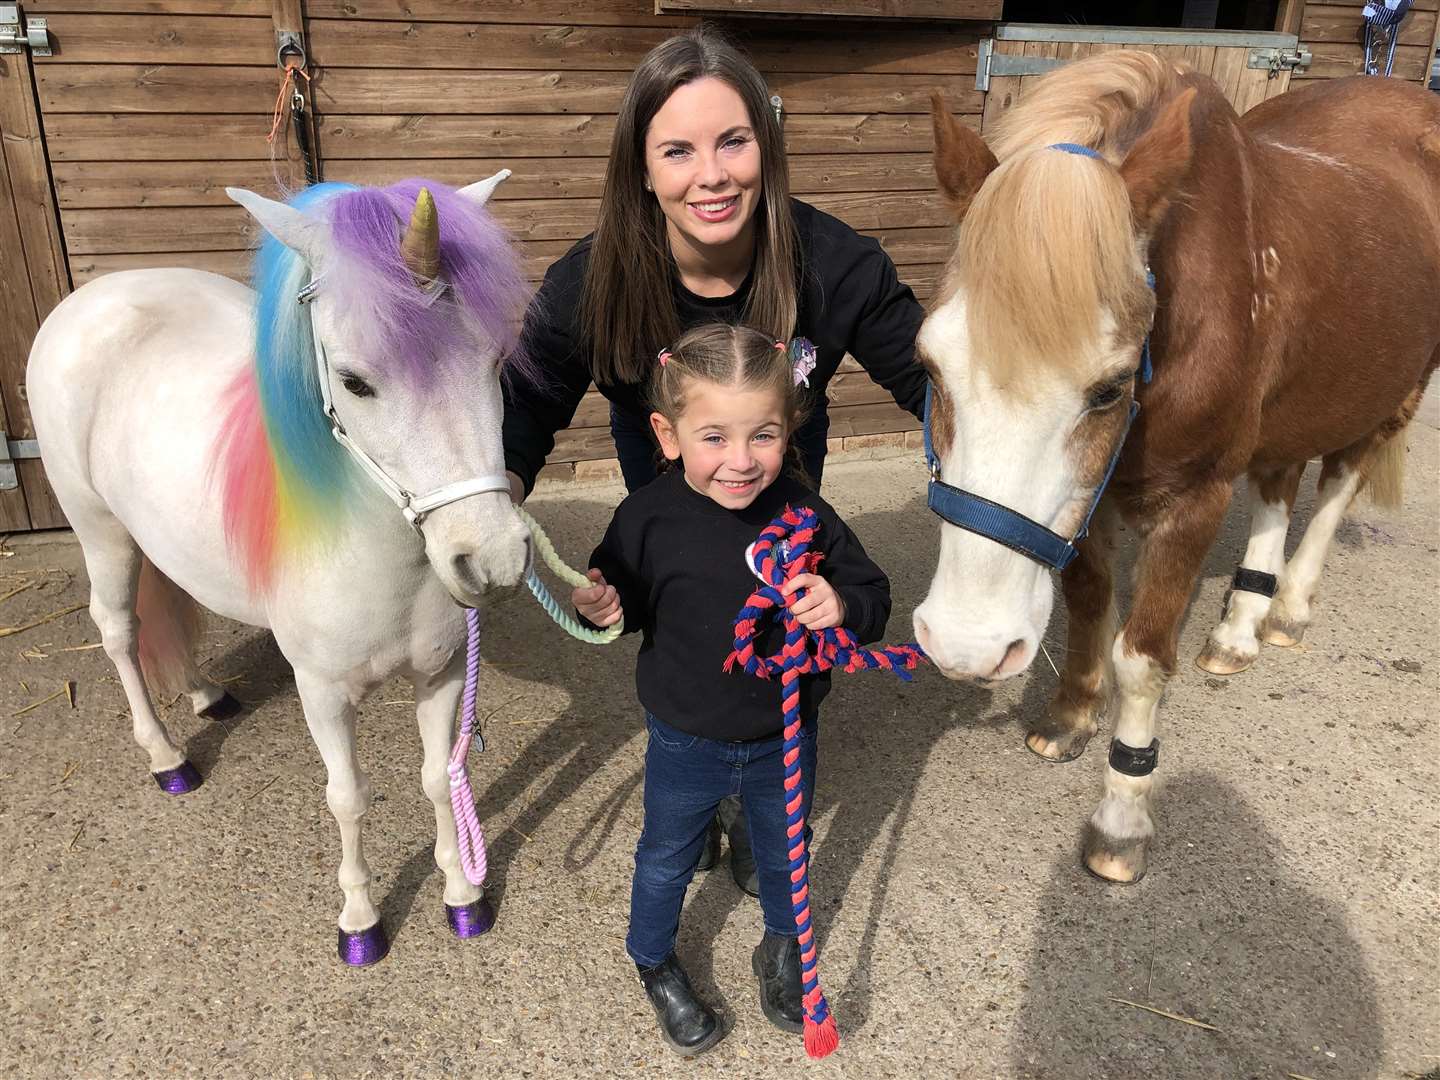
1290	905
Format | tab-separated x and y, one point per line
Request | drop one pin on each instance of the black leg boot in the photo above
686	1024
777	965
742	859
710	853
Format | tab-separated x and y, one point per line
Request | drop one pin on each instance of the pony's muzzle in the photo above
989	657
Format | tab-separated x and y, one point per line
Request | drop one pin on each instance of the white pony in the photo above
215	443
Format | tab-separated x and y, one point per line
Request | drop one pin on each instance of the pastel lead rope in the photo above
805	652
462	799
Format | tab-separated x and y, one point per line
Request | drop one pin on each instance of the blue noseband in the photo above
971	512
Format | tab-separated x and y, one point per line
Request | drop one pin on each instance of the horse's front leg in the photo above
1088	587
330	714
437	697
1143	660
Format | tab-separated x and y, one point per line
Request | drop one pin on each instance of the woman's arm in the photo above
538	406
883	337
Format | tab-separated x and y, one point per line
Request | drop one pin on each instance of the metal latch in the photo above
18	33
990	64
1277	60
12	450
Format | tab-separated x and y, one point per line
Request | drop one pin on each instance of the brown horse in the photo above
1296	260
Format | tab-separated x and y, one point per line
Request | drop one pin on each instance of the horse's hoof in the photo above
1057	747
181	780
1118	862
1219	660
222	708
470	920
1282	632
361	947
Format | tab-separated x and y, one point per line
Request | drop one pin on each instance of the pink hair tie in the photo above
664	357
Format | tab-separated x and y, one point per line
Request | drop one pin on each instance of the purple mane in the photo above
478	263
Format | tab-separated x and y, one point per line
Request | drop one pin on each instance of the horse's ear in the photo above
480	192
296	230
1158	161
962	160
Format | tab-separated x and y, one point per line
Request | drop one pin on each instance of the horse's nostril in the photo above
466	574
1010	662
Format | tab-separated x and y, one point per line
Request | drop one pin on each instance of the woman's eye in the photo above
764	437
355	385
734	141
675	153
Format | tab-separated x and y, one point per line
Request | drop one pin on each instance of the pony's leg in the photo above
1234	644
1144	658
436	700
1088	587
170	623
330	714
112	559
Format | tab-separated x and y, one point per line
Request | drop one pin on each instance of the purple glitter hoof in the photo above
362	947
470	920
181	780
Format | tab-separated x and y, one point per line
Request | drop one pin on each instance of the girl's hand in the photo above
821	607
599	603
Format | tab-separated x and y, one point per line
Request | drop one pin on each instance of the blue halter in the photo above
971	512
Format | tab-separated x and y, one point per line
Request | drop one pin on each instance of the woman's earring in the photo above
646	182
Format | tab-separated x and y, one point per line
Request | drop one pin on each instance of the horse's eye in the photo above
356	385
1103	395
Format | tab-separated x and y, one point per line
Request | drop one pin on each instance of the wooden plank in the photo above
231	137
778	47
149	7
569	12
1251	89
151	39
983	10
232	264
1335	61
1004	91
1201	58
287	17
175	88
18	322
95	184
1229	63
870	419
1331	22
41	260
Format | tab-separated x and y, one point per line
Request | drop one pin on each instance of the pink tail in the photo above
170	621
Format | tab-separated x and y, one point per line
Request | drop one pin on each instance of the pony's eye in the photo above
356	385
1103	395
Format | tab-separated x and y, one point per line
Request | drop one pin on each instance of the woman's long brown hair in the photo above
627	308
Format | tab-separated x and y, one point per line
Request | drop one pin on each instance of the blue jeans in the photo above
686	776
639	463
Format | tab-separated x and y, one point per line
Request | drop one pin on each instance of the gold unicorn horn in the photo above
421	246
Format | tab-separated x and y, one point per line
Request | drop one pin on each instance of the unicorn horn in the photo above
421	246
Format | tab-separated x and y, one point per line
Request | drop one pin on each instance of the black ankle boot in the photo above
710	853
742	858
777	965
687	1025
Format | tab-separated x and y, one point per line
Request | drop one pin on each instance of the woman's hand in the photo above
599	603
820	608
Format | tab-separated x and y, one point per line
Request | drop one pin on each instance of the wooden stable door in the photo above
33	279
1250	66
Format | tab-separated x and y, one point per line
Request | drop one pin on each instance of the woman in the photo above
696	225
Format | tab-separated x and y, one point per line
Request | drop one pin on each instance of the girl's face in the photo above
730	440
702	161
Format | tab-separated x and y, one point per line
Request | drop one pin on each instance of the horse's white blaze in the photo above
988	606
1124	813
1265	552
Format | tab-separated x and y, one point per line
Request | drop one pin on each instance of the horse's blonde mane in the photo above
1048	240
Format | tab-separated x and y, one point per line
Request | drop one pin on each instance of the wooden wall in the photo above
152	107
1333	34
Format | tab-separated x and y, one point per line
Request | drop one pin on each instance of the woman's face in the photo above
702	161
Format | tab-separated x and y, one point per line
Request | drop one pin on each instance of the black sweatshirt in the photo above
849	300
677	559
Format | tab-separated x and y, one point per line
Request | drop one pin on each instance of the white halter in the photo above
414	507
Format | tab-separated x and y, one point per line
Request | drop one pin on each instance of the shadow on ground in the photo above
1261	958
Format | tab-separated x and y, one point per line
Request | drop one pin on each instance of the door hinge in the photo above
18	33
1278	60
11	451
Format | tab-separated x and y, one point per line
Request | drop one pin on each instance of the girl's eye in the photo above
713	440
355	385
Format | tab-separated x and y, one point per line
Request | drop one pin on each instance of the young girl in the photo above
673	561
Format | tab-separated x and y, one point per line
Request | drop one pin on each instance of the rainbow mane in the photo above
286	484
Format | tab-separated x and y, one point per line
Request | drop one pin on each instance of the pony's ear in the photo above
962	160
1158	161
480	191
296	230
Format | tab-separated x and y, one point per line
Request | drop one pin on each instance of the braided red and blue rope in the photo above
782	553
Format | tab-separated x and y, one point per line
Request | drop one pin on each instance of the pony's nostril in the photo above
922	633
1011	661
466	573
